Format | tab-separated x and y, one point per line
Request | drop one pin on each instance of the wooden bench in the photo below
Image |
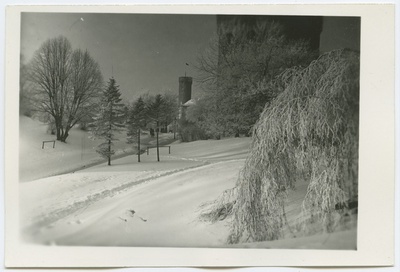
169	148
54	143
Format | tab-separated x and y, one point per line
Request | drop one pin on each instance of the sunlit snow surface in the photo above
137	204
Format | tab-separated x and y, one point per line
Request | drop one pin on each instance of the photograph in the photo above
198	130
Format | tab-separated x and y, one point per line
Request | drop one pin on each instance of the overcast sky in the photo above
149	52
145	52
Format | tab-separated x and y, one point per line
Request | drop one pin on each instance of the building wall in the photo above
340	32
185	89
294	27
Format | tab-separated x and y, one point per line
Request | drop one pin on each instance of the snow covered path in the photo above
165	194
159	212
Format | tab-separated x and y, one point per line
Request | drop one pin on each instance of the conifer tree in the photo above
109	119
136	122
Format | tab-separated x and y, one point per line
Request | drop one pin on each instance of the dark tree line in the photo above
146	113
150	112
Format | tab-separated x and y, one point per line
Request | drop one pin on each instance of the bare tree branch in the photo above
66	83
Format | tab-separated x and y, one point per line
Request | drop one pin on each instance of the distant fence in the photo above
54	143
169	148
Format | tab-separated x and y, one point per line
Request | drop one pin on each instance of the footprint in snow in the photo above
132	214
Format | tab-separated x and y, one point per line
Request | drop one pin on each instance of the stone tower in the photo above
185	94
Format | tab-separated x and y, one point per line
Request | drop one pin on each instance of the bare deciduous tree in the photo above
86	81
66	83
308	133
235	71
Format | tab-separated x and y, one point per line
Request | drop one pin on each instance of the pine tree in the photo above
109	119
136	122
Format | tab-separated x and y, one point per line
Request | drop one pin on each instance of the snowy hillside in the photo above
141	204
79	151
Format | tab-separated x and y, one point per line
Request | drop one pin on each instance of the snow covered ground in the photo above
78	152
145	204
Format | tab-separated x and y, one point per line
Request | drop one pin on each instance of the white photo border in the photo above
375	243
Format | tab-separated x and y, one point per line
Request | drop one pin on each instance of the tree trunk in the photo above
58	134
139	145
109	142
65	133
158	153
174	129
58	129
64	136
109	152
